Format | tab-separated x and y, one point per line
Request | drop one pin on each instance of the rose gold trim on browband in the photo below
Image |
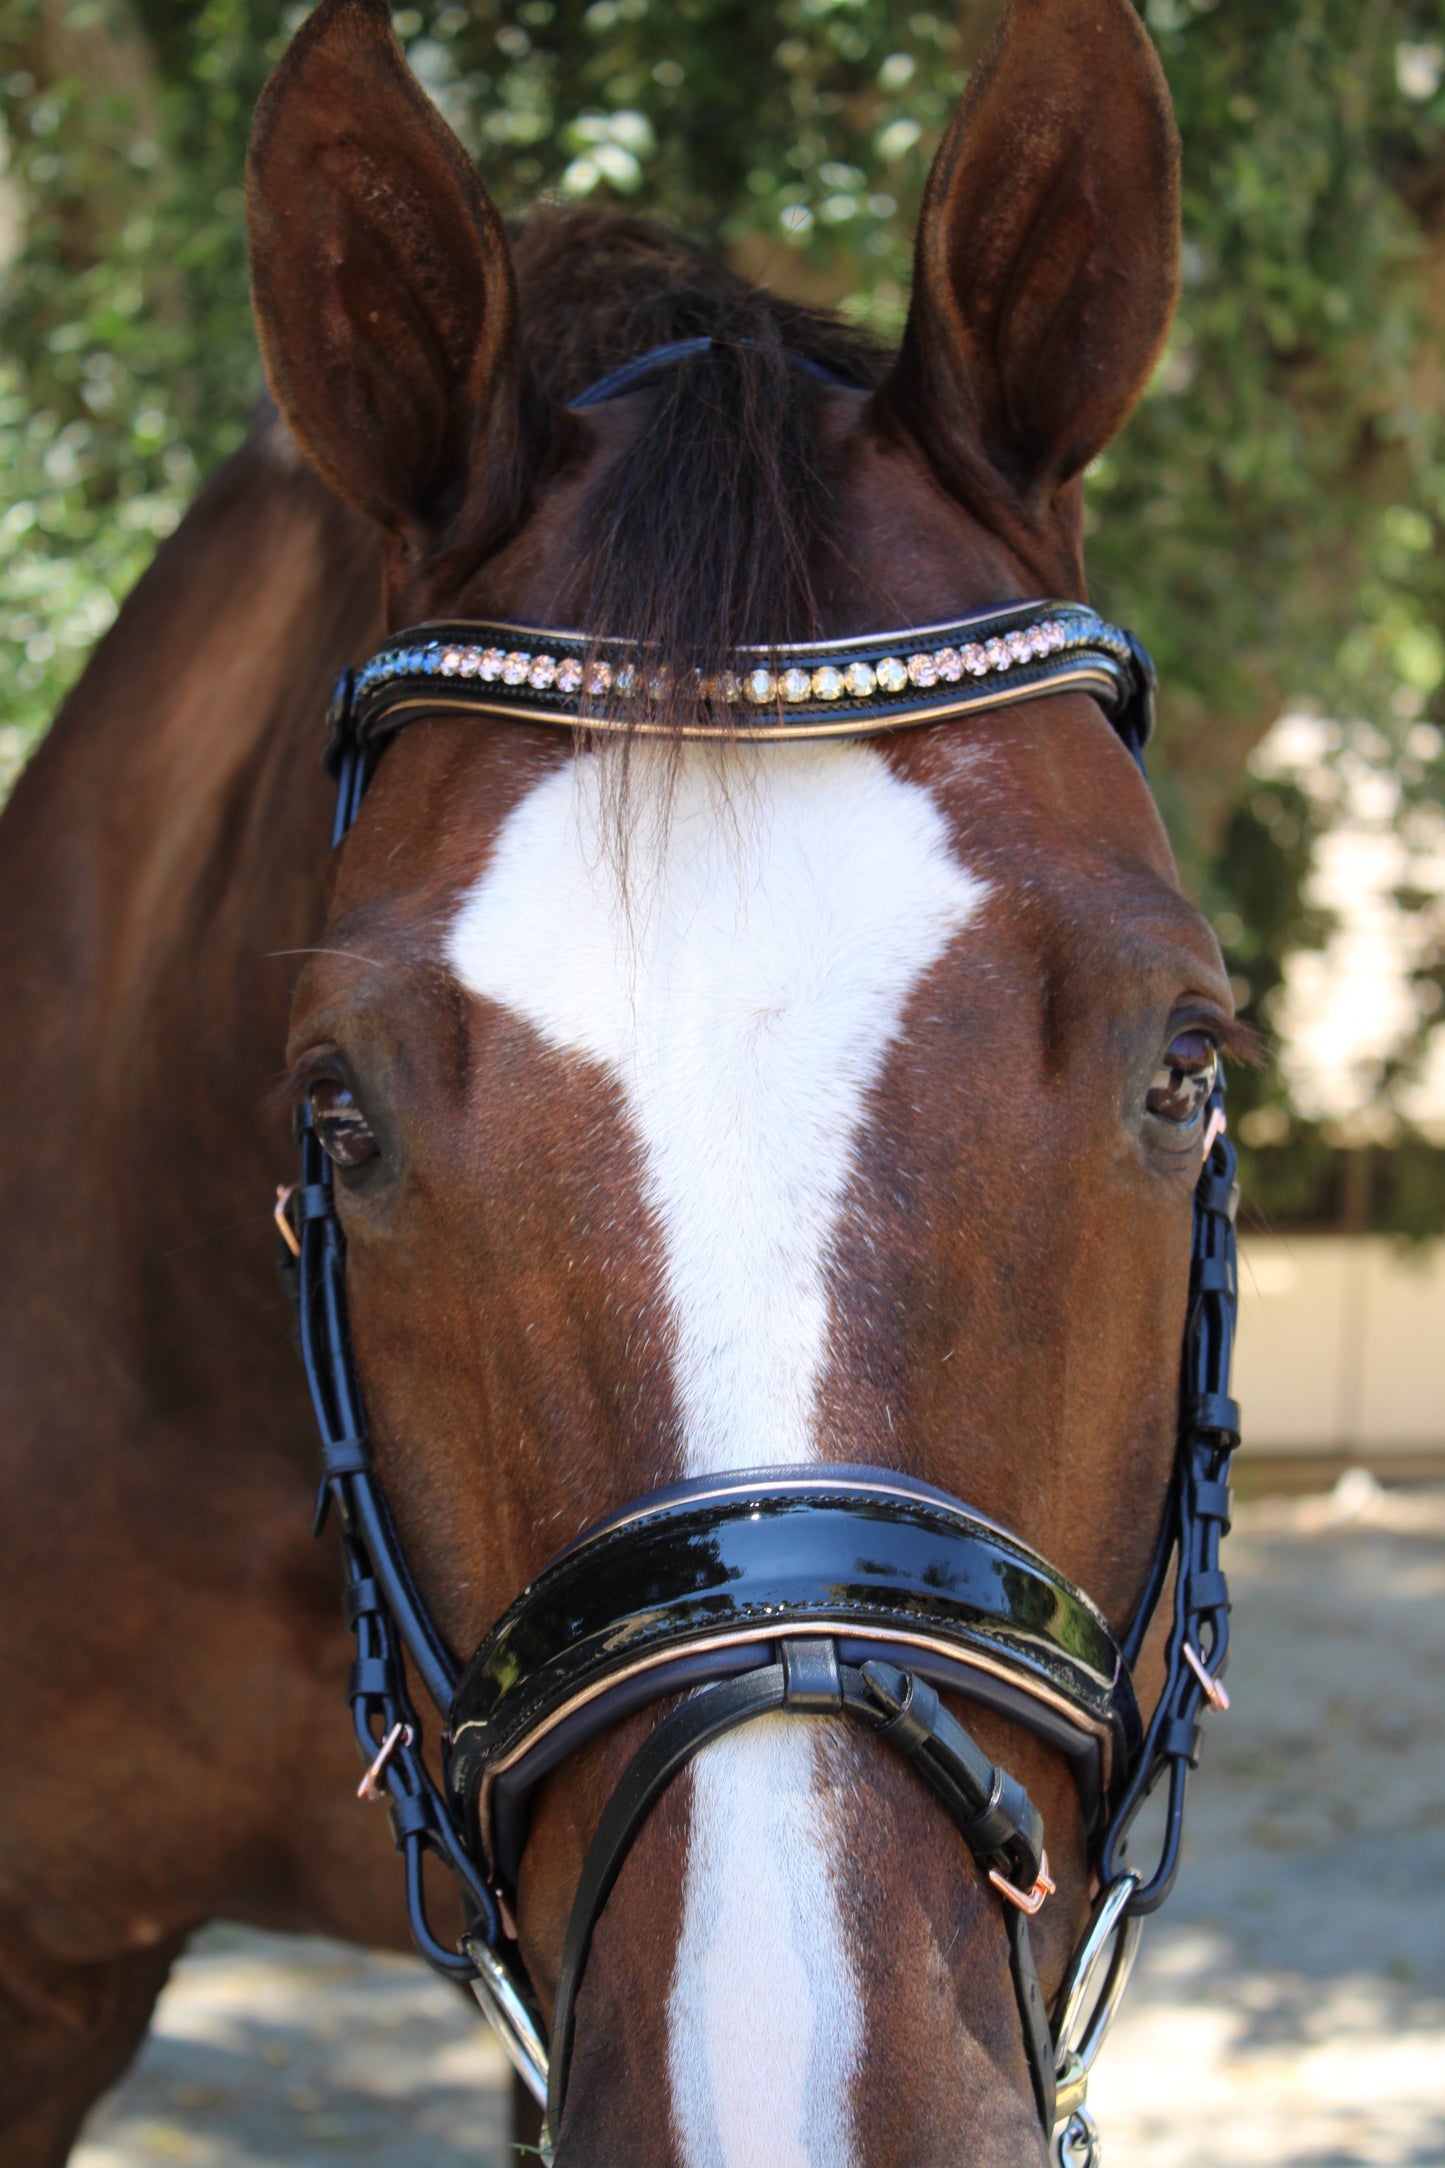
865	642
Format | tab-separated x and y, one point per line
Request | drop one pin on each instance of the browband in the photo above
854	688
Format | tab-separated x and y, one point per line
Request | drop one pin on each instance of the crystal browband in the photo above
832	689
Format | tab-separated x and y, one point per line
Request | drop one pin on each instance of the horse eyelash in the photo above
288	1092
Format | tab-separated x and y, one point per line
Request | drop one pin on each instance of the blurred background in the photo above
1271	524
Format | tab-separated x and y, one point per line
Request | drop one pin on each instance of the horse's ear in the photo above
383	286
1047	258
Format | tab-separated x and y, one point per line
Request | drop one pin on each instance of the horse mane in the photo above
705	535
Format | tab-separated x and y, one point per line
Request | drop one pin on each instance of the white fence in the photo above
1341	1346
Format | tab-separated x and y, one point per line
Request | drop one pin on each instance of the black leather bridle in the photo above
850	1591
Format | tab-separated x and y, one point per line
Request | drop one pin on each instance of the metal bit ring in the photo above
1076	2143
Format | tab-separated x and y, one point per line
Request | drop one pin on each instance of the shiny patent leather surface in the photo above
803	1546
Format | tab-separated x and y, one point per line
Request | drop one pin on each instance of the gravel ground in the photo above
1288	2010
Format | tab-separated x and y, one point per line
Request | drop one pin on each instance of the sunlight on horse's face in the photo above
767	1105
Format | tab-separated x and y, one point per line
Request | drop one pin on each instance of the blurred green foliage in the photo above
1270	522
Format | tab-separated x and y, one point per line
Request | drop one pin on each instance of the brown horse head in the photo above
702	1107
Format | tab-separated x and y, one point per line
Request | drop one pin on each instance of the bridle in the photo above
819	1590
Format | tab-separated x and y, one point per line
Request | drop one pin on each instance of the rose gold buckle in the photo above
285	1191
399	1735
1214	1691
1027	1900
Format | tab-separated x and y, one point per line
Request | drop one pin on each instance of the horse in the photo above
689	1103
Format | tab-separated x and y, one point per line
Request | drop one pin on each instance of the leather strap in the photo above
1033	2016
860	687
703	1717
642	366
997	1820
994	1813
1196	1517
699	1580
381	1602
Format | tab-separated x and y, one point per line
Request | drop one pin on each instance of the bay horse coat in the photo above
721	1107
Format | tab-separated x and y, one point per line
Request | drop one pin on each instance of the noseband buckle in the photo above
1028	1901
1215	1691
400	1734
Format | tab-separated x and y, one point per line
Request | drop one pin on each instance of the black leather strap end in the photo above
410	1815
345	1456
360	1599
1179	1738
1207	1591
1218	1191
1038	2034
1010	1828
1212	1411
1211	1502
370	1677
994	1814
811	1680
912	1707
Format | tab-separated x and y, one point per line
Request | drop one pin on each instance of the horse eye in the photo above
1184	1079
341	1127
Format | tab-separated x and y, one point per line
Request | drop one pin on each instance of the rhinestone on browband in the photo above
760	686
863	686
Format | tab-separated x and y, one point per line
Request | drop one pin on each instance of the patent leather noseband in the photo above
687	1585
820	1591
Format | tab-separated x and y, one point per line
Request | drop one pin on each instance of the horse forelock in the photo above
716	524
599	287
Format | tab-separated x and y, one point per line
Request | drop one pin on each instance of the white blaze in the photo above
743	992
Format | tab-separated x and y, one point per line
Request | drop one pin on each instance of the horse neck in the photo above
164	858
